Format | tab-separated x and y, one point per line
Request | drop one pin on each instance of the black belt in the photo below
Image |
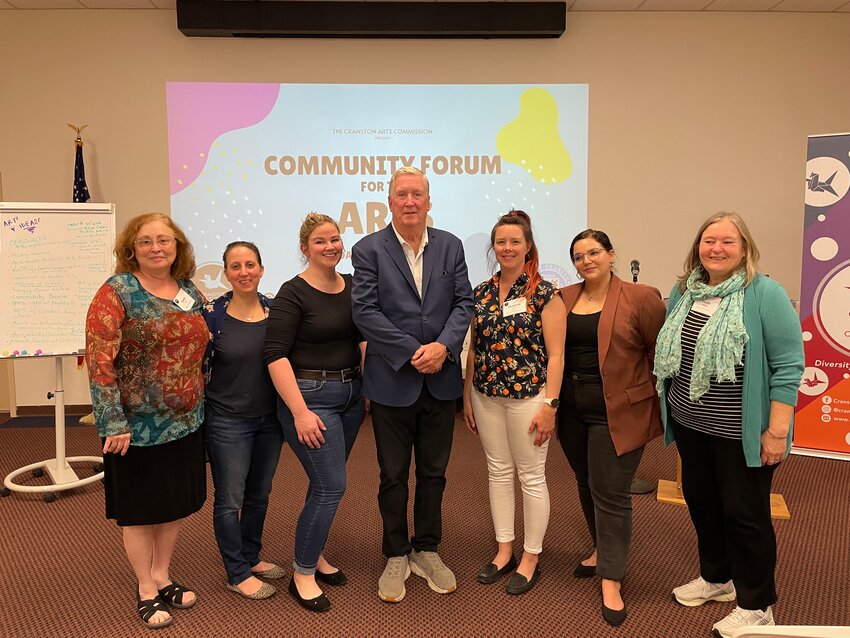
349	374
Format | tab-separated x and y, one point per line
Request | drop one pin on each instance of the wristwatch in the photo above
552	402
449	355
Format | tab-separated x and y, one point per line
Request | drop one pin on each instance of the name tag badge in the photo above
514	307
707	306
184	300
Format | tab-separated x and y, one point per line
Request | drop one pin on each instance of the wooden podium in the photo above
671	492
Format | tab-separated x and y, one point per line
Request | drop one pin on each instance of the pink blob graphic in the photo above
199	112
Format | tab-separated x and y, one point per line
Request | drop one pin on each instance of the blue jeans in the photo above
340	406
243	456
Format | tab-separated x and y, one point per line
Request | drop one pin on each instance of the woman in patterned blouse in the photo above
515	366
145	338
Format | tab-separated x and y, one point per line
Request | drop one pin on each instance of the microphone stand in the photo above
639	486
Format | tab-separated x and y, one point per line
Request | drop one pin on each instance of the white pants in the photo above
503	427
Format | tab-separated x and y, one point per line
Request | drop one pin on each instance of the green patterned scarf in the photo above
720	345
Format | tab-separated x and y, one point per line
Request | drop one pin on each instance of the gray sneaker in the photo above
391	583
428	565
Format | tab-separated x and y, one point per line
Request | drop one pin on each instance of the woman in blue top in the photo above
728	360
242	432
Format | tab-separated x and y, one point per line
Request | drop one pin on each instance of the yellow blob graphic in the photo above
532	141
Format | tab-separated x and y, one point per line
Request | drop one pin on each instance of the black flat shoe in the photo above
319	603
337	578
613	617
584	571
490	574
518	584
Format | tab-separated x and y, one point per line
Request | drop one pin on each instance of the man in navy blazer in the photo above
412	302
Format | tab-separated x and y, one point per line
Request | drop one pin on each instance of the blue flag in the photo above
81	191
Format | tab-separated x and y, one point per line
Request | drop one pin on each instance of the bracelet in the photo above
769	433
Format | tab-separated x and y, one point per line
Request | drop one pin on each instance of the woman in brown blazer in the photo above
609	409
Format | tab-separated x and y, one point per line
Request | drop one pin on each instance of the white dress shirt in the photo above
414	260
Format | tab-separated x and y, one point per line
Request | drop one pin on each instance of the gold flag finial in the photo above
78	129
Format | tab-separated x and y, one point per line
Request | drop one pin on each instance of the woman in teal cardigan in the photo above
728	360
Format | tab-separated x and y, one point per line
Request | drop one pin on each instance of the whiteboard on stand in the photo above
53	258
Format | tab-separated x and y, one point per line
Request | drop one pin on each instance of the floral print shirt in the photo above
510	355
144	359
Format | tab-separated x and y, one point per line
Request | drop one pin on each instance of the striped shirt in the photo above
718	411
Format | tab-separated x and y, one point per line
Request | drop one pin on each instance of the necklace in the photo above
239	313
590	297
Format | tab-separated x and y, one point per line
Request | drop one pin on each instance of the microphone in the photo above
635	266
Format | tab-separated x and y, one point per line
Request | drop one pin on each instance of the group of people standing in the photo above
600	365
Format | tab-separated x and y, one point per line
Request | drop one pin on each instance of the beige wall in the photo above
689	112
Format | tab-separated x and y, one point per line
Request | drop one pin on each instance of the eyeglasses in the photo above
147	244
593	253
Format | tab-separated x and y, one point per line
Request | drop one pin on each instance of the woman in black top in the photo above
609	409
242	432
314	353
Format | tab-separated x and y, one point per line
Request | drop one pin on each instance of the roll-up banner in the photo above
823	410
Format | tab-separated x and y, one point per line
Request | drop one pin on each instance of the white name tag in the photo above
707	306
184	300
514	306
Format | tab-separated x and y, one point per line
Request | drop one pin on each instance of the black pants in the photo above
729	505
603	477
426	427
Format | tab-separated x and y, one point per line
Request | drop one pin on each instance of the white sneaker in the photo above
699	591
742	618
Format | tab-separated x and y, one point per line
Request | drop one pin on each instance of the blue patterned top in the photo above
144	359
215	313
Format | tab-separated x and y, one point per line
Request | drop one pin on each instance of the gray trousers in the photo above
603	477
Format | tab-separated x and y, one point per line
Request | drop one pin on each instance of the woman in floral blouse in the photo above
513	377
145	339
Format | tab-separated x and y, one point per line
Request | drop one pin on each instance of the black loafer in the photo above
337	578
584	571
319	603
613	617
490	574
518	584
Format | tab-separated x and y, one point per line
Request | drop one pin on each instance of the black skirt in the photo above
156	484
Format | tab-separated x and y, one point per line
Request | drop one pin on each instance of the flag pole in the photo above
80	192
